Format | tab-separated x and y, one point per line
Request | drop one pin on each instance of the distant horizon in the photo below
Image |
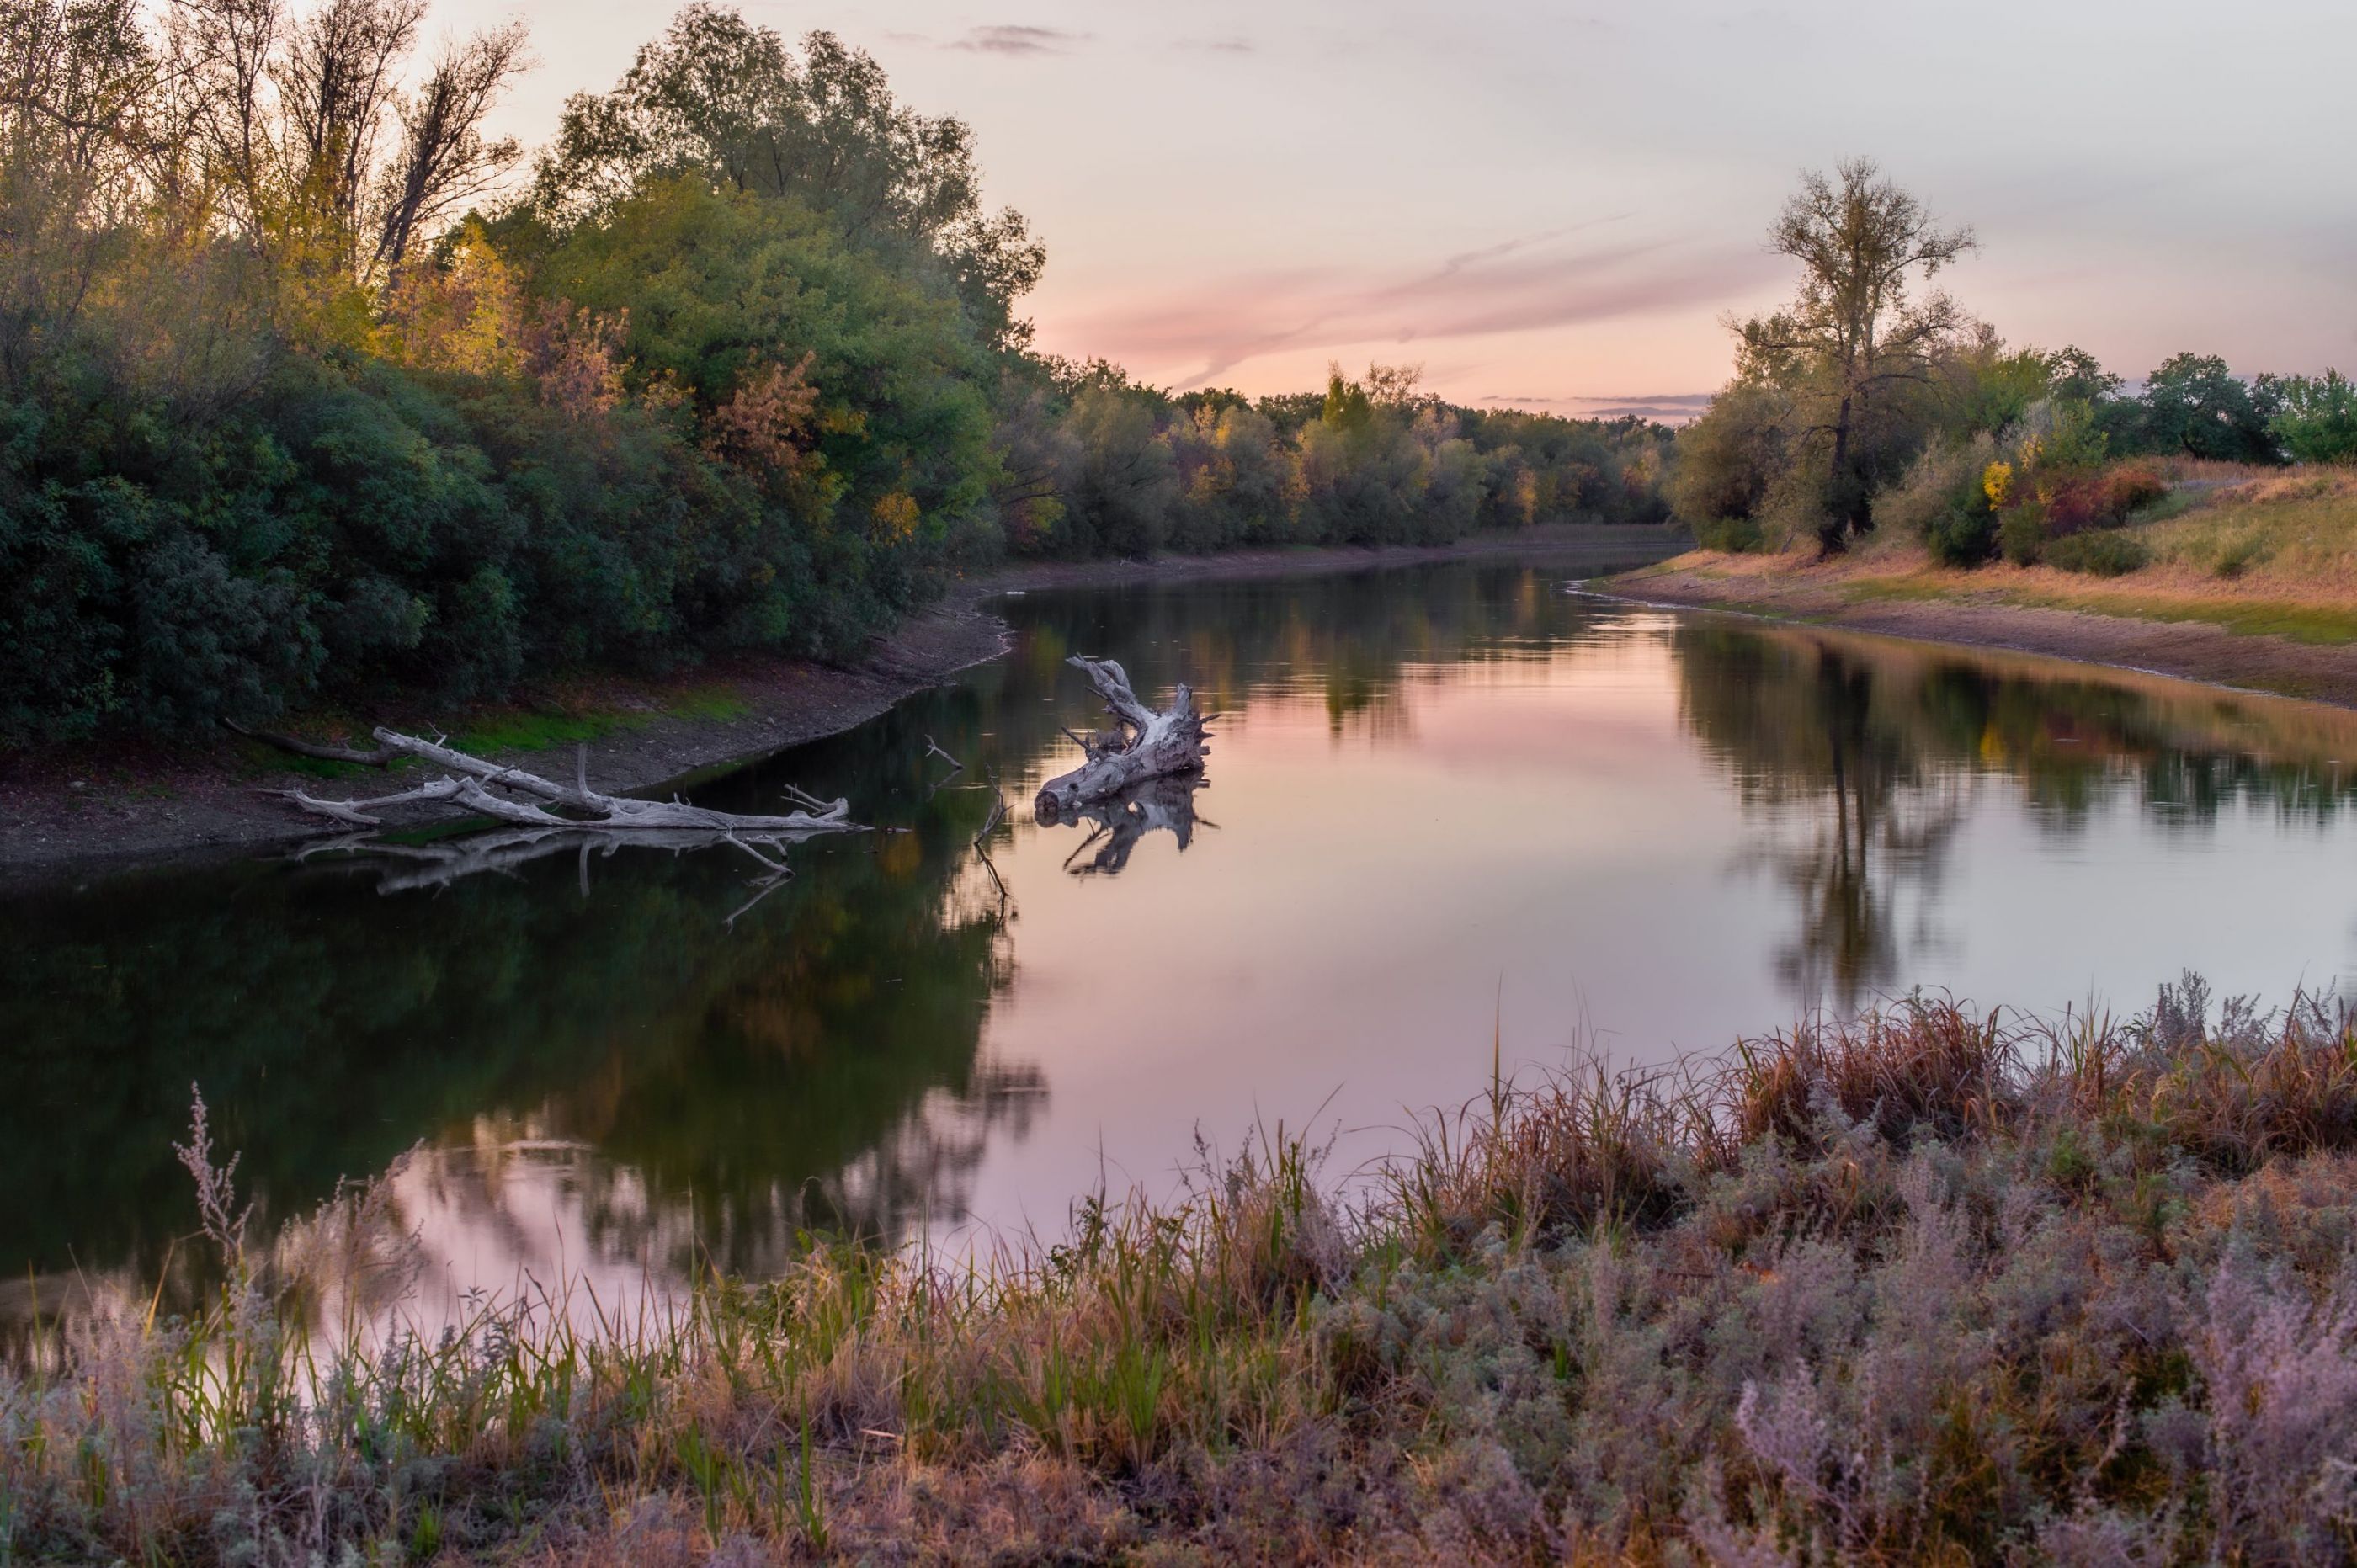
1546	208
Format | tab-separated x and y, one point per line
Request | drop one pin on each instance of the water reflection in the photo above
1118	823
1859	761
815	1065
1428	782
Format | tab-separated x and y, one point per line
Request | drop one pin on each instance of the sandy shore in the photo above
1824	595
74	812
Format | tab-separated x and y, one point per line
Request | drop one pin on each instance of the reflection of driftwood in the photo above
524	800
1144	743
503	852
1157	805
991	825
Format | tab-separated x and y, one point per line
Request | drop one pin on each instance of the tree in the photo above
1726	462
720	97
2079	377
2193	404
76	77
1856	333
444	160
2317	420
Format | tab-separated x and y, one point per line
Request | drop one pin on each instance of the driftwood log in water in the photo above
1144	743
473	787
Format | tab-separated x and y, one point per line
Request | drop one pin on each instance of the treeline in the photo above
1100	465
1874	399
292	410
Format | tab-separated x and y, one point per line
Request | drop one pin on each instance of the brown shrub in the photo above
1927	1067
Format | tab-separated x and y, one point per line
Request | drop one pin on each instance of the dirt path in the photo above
2188	649
72	812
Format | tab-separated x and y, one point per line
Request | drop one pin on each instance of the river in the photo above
1457	818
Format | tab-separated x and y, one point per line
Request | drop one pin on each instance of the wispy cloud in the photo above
1009	38
1227	46
1527	283
1667	408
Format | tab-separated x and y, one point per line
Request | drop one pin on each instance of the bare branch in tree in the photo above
444	159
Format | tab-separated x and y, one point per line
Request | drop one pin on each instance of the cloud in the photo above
1228	46
1527	283
1679	414
1008	38
1667	408
1680	400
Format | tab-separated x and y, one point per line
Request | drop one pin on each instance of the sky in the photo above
1554	206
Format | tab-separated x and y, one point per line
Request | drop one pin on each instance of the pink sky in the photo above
1553	205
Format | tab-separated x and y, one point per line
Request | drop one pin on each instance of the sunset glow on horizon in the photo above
1553	206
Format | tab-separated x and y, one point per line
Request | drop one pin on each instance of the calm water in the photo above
1439	800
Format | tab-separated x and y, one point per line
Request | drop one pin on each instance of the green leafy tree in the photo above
1859	332
2317	419
722	98
2194	405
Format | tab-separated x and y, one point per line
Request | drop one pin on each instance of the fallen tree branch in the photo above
380	758
1144	744
489	790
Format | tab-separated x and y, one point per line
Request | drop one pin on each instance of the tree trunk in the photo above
1834	532
1143	744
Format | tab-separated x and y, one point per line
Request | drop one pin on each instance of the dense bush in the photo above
1729	463
2099	553
2021	534
1965	534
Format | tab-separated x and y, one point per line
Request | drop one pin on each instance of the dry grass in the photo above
2256	551
1929	1285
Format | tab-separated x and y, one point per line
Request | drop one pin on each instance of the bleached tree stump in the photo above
1144	743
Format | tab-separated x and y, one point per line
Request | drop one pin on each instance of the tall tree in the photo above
2192	404
729	101
1858	331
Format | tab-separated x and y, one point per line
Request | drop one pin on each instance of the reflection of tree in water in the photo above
738	1072
1861	759
817	1063
821	1062
1349	641
1854	811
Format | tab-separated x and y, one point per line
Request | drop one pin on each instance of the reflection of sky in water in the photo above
1542	844
1437	805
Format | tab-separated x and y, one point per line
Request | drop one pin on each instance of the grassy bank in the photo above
1934	1285
2255	552
2243	578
